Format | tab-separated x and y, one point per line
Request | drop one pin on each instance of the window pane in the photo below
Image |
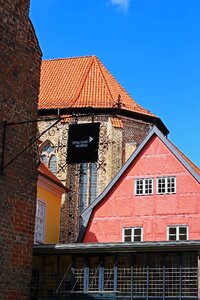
148	186
183	237
172	230
93	182
182	230
127	231
172	237
127	239
137	231
44	159
161	185
139	187
137	238
52	164
128	235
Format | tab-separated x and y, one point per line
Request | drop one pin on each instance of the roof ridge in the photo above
71	57
99	63
119	84
90	63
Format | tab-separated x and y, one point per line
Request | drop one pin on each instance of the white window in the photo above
40	221
166	185
144	186
132	234
177	233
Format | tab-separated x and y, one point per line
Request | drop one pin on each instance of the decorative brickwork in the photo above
114	136
20	58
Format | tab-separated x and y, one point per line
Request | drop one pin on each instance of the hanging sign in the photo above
83	141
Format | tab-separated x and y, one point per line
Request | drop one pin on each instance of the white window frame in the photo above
165	178
42	219
144	180
177	227
132	234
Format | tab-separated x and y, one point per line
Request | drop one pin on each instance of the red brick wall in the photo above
20	59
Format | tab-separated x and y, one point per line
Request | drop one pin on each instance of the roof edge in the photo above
154	130
154	120
117	247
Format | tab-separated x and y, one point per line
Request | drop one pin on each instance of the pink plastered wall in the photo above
122	208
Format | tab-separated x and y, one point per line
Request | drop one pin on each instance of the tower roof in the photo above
82	82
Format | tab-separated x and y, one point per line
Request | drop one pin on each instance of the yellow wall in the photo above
52	215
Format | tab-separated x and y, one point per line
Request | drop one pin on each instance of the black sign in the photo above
83	141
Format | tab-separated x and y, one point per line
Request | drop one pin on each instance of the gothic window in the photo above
48	157
87	184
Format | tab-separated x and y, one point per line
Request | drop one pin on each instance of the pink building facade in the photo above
155	197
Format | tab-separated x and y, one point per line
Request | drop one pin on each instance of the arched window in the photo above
48	156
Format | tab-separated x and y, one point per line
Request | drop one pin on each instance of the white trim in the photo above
153	131
50	186
165	178
177	231
132	233
143	186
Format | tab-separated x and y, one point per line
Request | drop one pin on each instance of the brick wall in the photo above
20	58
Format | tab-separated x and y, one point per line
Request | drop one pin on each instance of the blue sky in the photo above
152	47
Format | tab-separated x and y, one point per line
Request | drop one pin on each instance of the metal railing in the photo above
127	282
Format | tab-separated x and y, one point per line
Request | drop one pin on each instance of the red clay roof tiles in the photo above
44	171
82	82
117	123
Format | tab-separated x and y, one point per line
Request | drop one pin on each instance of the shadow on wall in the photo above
91	236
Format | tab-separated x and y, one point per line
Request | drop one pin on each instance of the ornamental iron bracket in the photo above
55	125
8	124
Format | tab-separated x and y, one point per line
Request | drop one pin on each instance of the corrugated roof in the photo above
82	82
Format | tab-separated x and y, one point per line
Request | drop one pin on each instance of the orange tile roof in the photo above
82	82
117	123
44	171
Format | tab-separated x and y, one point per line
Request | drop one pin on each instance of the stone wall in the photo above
20	59
113	142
